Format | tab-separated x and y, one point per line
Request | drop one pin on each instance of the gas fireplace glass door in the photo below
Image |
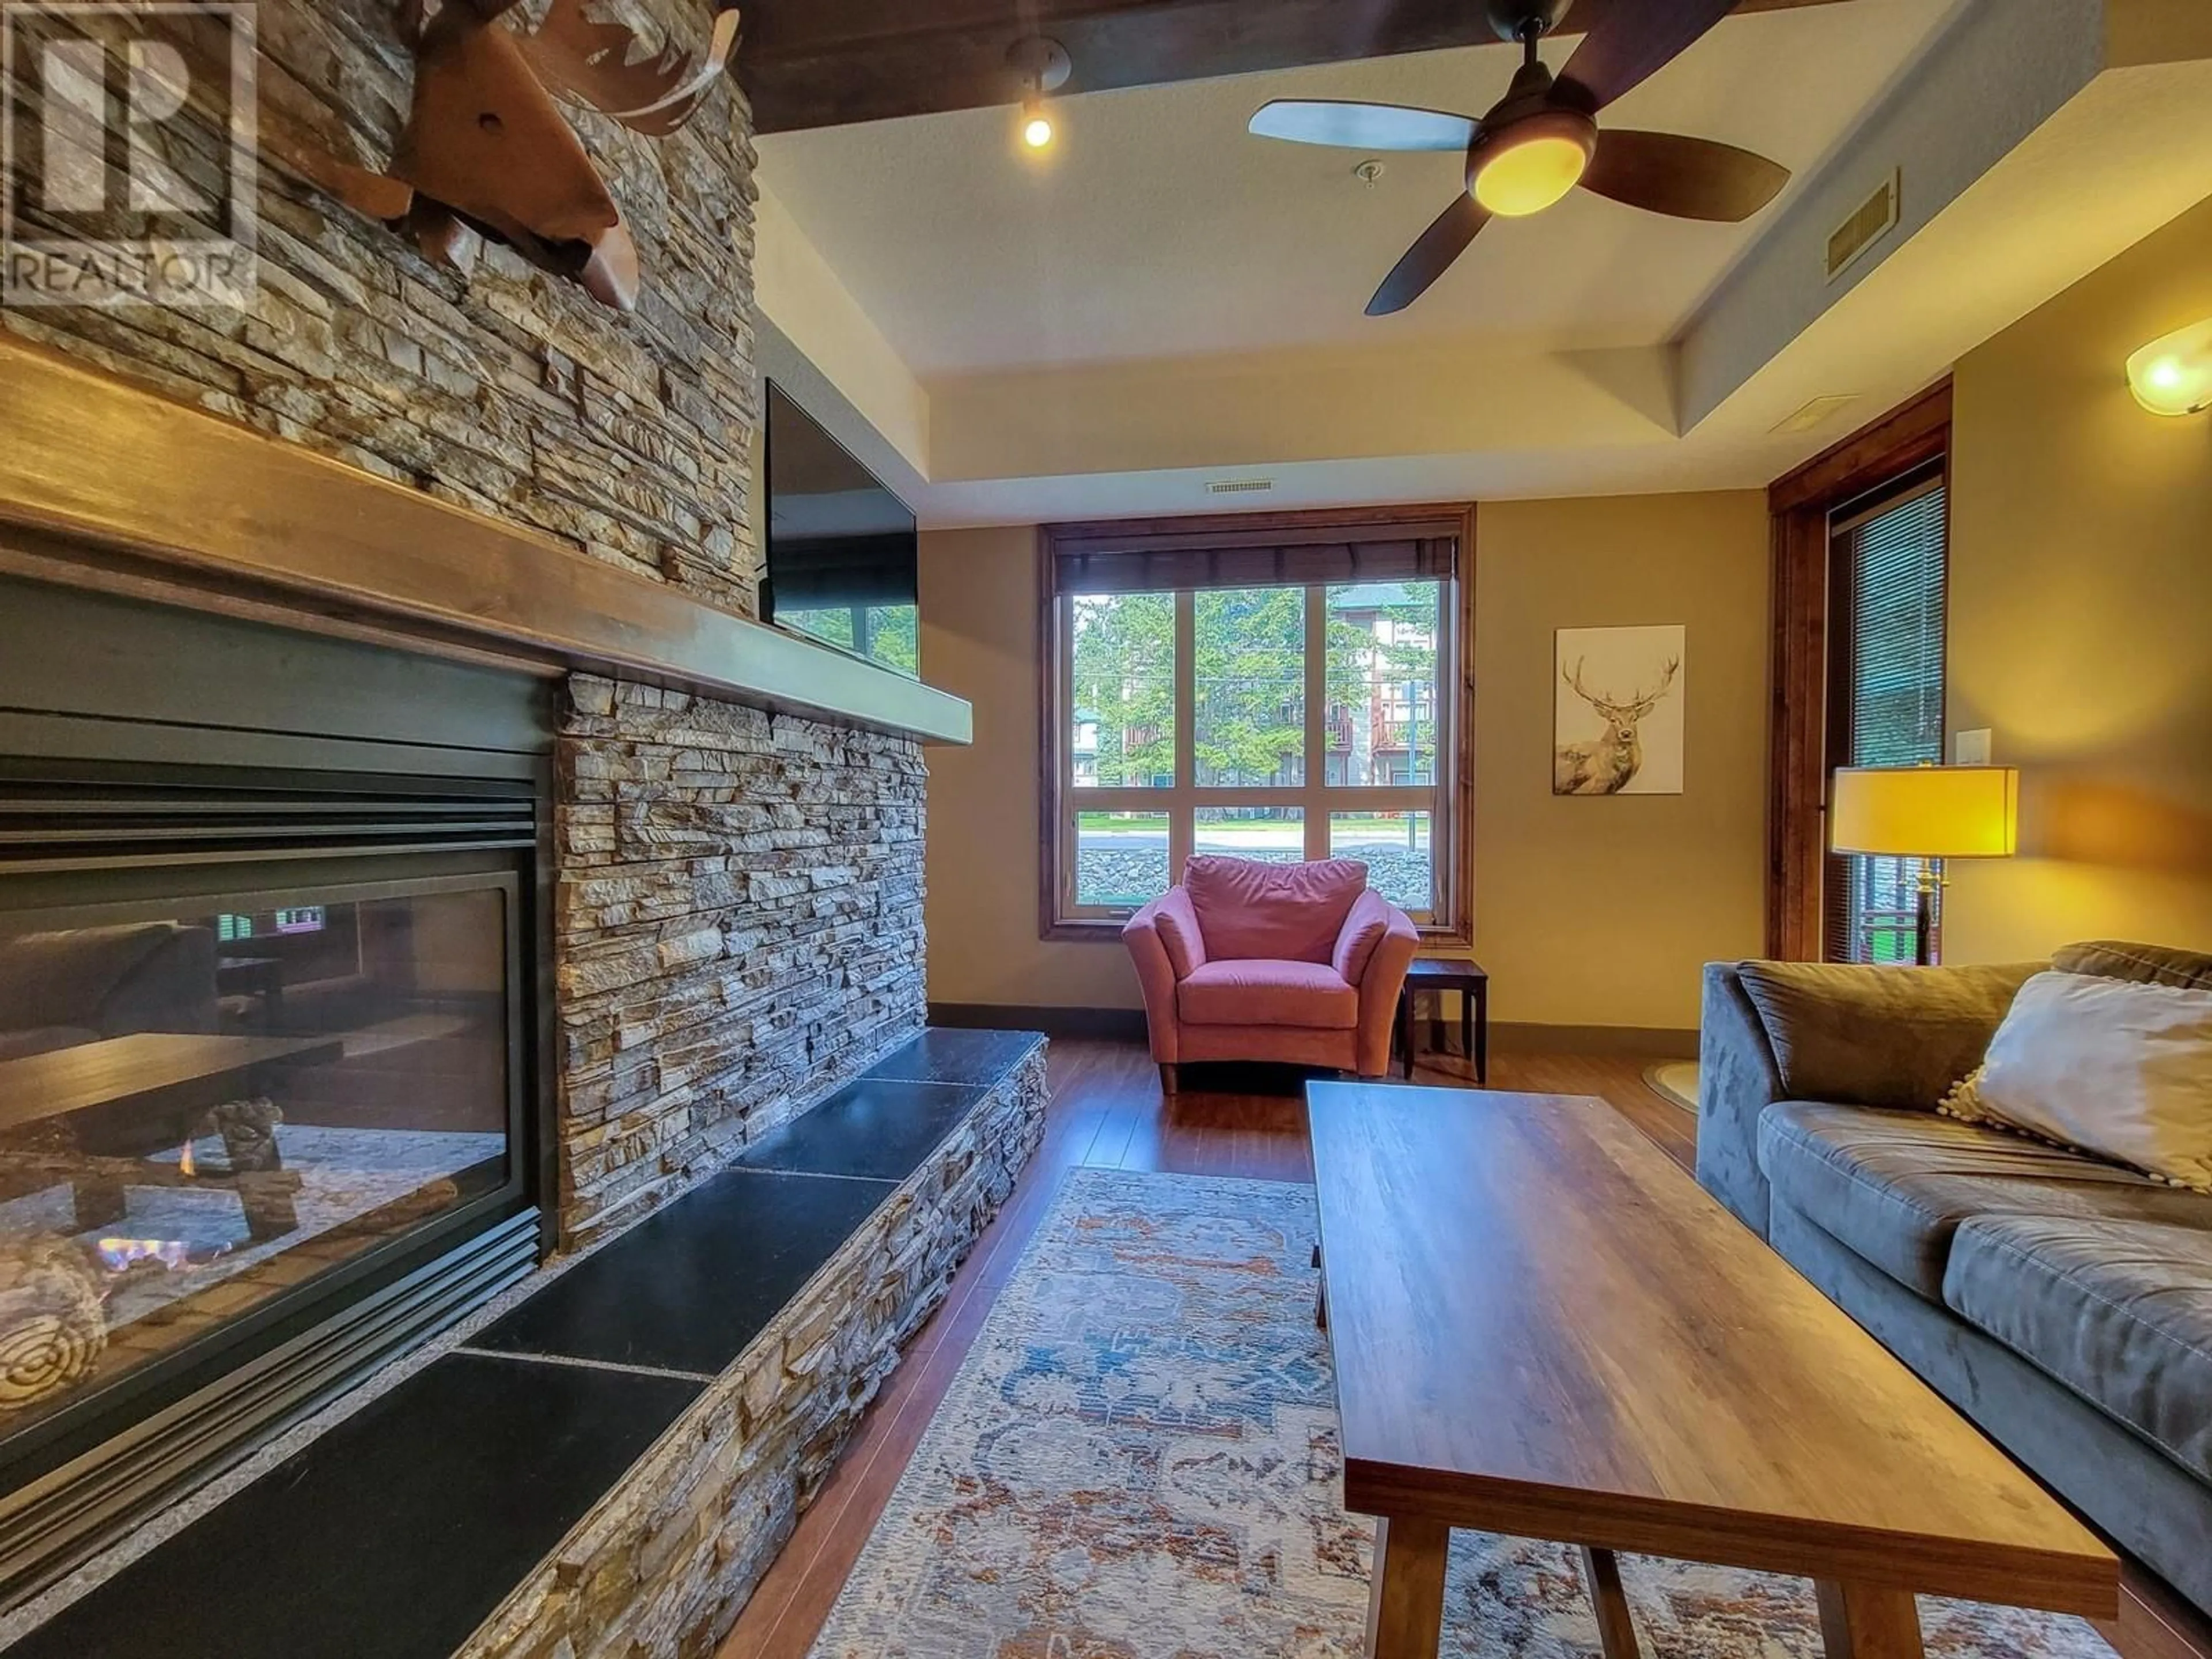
212	1104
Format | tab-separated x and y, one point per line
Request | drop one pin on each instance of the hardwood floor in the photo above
1107	1111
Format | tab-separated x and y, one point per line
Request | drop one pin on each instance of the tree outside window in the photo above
1252	778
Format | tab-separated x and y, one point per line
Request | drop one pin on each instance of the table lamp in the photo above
1930	813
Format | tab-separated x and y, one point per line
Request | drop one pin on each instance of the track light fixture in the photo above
1044	67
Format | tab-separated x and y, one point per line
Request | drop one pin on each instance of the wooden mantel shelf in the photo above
105	486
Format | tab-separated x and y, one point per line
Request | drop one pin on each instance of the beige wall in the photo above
1588	912
1601	912
2081	614
979	603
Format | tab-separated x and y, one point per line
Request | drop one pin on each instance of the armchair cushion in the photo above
1179	933
1363	930
1258	991
1249	910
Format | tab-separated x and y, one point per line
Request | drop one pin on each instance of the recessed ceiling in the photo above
1159	228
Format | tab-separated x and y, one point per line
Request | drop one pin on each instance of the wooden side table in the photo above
1450	974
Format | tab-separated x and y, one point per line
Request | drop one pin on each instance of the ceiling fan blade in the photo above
1686	177
1628	44
1441	244
1365	126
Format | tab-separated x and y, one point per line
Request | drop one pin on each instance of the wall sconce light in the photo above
2173	376
1044	67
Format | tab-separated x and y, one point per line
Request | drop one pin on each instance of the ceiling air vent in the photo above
1874	219
1241	487
1816	414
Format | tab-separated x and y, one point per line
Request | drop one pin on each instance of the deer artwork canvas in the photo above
1618	722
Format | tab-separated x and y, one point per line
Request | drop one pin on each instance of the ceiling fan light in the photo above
1530	166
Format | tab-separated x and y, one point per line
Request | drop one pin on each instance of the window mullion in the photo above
1312	796
1182	817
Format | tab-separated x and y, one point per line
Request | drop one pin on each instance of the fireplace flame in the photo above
118	1254
186	1165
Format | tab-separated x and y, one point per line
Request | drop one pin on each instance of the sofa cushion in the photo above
1278	912
2144	965
44	1040
1899	1037
1257	991
1894	1186
2119	1311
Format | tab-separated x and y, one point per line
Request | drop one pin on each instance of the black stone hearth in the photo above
397	1533
686	1290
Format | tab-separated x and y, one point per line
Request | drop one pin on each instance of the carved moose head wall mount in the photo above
487	152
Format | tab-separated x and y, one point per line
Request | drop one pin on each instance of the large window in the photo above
1276	689
1887	562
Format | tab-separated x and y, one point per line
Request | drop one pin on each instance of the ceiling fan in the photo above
1543	138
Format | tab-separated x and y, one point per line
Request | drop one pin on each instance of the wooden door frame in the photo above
1802	503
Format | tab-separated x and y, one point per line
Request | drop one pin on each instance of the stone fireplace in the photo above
273	1013
458	550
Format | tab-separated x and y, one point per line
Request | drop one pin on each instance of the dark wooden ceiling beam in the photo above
832	63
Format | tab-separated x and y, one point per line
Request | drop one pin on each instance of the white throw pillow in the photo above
2120	1070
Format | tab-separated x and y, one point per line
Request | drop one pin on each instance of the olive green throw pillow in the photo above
1897	1037
2139	964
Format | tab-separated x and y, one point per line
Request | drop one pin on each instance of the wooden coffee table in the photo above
1543	1328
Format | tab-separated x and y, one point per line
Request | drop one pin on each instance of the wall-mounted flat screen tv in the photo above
843	551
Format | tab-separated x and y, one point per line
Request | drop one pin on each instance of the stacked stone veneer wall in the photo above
738	921
740	895
666	1563
504	390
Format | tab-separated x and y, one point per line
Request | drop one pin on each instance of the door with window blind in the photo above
1887	566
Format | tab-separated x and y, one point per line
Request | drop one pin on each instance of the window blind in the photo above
1895	582
1187	562
1897	586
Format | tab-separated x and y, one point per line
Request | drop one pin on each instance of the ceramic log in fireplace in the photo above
270	1016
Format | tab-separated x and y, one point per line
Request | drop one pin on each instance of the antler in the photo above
1644	705
590	60
1574	679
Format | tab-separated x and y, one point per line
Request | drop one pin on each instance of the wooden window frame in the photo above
1803	505
1450	800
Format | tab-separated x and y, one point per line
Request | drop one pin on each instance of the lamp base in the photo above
1924	926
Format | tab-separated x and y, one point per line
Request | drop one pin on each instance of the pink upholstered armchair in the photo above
1296	963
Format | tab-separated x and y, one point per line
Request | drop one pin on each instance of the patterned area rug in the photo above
1138	1461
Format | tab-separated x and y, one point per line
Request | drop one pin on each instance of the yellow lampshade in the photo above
1926	811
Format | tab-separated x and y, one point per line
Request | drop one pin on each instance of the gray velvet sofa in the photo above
2063	1304
60	989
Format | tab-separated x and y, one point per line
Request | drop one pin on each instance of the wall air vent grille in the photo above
1874	219
1241	487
